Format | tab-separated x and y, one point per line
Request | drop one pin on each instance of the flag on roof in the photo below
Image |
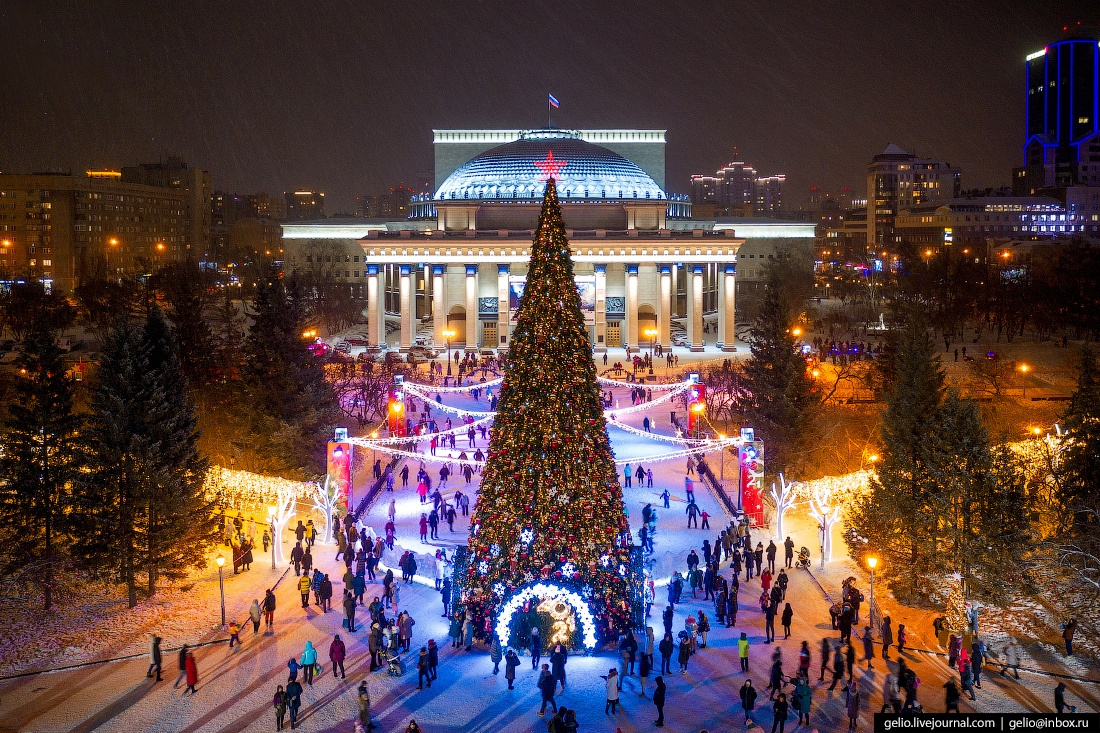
553	101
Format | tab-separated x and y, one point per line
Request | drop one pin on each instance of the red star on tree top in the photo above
550	168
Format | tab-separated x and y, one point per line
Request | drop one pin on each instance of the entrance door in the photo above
614	334
489	334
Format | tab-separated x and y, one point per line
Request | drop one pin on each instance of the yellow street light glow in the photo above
113	241
271	511
1036	431
448	333
872	562
873	458
698	407
1024	367
797	331
817	373
220	560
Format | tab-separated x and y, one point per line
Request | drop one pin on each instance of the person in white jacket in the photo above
612	678
1012	658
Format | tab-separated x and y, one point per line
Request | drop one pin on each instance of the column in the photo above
439	307
502	307
632	307
407	307
695	308
376	317
601	308
471	307
727	294
664	316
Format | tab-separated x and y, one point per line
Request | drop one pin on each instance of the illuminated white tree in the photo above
325	500
784	499
286	502
828	497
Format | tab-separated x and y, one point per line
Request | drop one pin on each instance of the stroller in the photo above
394	666
803	558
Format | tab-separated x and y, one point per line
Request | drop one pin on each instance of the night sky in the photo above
342	96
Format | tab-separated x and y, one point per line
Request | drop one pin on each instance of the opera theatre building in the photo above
646	271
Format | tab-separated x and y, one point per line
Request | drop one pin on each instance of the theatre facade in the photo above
646	271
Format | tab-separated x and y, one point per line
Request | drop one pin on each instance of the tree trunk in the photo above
152	564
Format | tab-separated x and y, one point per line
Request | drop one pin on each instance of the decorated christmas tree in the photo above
550	509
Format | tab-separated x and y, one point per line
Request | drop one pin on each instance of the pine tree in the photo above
179	518
550	505
774	393
894	518
40	459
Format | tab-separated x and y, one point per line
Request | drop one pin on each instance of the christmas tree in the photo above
550	505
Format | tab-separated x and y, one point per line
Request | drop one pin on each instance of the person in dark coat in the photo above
536	649
667	617
826	651
887	633
511	661
659	701
293	700
786	618
154	657
558	657
665	648
781	710
748	699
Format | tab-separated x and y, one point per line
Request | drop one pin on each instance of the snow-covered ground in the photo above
236	685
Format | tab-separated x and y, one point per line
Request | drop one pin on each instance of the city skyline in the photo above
344	101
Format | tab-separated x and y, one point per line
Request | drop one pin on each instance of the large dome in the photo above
519	169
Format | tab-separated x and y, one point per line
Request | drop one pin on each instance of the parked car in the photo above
343	347
422	352
679	339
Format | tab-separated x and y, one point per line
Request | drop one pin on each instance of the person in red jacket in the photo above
336	653
192	673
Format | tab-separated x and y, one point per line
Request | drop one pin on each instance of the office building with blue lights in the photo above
1062	136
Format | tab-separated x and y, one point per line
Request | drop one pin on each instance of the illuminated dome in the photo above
518	170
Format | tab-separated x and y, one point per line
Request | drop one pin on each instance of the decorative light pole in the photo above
271	526
652	333
448	333
872	562
221	584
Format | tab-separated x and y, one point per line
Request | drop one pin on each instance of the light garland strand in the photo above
460	430
618	383
419	386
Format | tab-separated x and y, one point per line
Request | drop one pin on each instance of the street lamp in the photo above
448	333
271	526
652	333
221	584
872	562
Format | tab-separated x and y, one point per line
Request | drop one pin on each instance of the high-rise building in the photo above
305	205
736	190
62	229
1062	128
897	180
393	204
175	173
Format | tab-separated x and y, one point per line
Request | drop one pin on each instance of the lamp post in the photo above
872	562
448	333
271	525
221	584
652	333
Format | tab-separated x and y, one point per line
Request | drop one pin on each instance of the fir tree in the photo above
1078	475
115	493
550	505
774	393
179	518
894	518
40	459
295	407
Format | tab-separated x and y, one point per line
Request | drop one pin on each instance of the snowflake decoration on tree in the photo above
483	567
568	568
527	536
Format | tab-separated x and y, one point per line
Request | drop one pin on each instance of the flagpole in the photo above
548	108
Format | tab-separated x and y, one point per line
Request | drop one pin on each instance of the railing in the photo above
716	488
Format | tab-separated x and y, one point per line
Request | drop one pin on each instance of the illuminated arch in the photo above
543	590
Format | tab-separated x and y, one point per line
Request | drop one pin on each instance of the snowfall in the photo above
79	691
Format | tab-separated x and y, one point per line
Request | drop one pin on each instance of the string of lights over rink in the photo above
424	392
405	447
